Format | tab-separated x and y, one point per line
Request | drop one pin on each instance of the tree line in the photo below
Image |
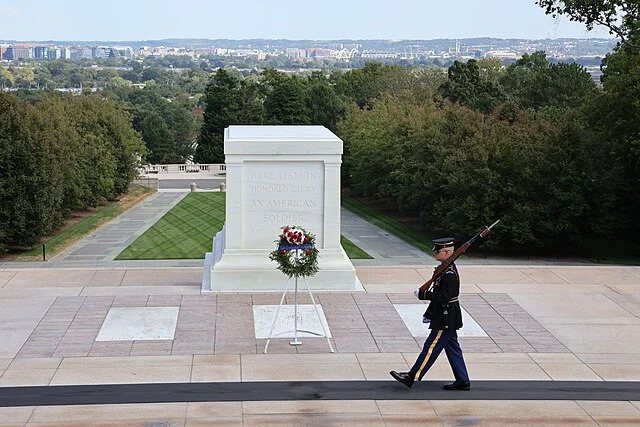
537	144
60	154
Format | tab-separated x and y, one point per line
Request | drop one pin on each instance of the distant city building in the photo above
165	51
3	49
295	53
100	52
86	53
501	54
40	52
122	52
317	53
65	53
378	55
53	53
14	53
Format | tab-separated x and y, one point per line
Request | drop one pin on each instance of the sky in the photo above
136	20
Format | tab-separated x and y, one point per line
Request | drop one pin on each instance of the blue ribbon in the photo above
290	247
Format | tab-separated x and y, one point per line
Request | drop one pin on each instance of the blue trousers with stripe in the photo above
438	340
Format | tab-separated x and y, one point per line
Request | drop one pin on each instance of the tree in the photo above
469	85
364	85
24	77
6	78
324	105
167	126
107	122
228	101
29	173
615	120
615	115
284	102
533	82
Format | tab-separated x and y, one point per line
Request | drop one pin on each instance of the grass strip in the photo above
352	250
83	224
389	224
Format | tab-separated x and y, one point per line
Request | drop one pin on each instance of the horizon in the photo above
296	40
72	20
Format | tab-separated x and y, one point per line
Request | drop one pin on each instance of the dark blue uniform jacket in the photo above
444	308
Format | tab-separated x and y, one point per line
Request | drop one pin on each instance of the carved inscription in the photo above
281	193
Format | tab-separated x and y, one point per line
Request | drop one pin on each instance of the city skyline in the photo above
285	19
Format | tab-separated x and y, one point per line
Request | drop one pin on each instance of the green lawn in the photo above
187	230
389	224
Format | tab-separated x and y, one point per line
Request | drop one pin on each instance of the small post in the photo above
223	187
193	187
44	253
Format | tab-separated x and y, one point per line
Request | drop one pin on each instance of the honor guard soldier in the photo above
445	318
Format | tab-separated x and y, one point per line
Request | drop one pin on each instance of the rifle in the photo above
454	256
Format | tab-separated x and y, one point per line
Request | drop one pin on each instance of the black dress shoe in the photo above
403	377
458	385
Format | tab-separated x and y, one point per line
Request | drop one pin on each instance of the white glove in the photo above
416	292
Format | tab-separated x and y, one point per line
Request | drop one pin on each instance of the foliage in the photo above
614	115
284	99
540	171
324	105
469	84
228	101
169	127
533	82
364	85
615	120
58	155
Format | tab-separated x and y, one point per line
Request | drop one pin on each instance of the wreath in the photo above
296	253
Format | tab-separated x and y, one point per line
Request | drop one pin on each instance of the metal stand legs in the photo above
295	309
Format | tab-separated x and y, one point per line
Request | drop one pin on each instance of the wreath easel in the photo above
296	256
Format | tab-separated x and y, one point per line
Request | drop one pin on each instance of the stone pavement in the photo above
542	323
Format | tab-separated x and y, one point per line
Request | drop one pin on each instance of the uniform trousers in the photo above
438	340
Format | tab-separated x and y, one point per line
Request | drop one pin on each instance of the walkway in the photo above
544	344
543	324
100	248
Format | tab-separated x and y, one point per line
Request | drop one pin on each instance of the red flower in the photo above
283	252
308	252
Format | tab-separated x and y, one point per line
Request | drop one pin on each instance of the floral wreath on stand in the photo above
296	253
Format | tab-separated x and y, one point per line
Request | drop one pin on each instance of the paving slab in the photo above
543	322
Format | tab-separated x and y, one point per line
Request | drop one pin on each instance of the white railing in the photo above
212	169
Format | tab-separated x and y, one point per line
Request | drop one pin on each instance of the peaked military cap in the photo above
443	242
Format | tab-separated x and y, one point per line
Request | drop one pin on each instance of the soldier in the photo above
445	318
